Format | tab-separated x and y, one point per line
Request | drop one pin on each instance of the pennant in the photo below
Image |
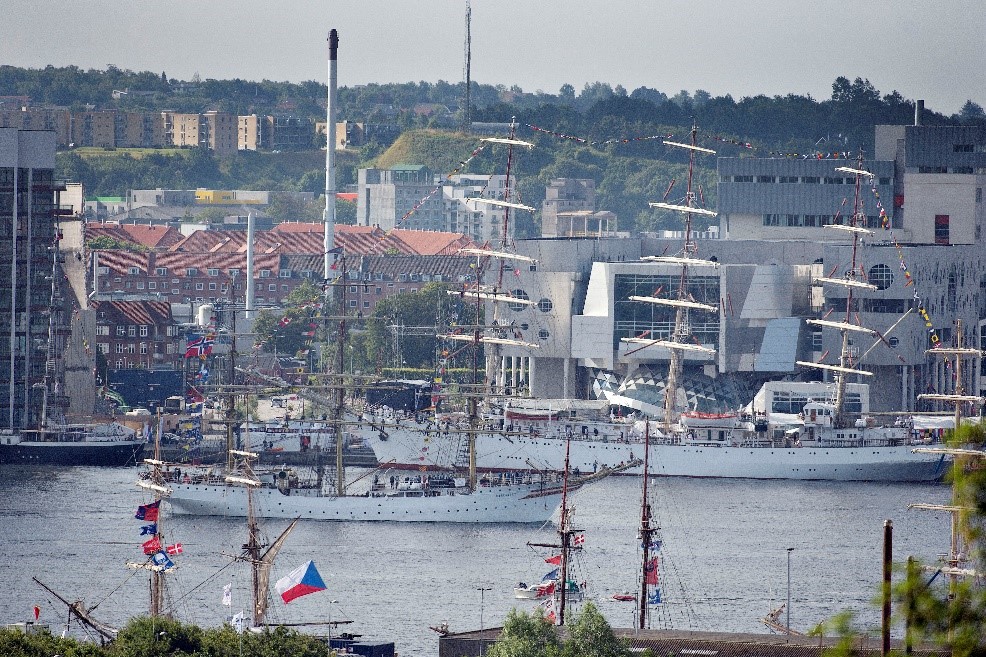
555	560
151	546
175	549
148	512
148	529
228	595
301	581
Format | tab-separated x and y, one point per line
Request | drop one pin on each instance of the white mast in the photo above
329	215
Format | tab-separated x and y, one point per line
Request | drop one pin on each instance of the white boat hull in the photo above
407	448
499	504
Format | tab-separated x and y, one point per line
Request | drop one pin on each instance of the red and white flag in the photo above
578	540
175	549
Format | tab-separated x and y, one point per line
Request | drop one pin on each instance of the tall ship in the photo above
822	441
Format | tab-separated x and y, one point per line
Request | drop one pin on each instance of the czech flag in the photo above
300	581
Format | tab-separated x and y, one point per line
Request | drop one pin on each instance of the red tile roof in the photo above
153	237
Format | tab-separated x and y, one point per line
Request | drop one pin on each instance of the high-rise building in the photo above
28	238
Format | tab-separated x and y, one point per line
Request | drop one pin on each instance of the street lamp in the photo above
482	599
331	602
789	551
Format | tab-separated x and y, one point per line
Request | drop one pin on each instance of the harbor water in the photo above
724	558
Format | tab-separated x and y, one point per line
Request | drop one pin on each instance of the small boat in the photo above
699	420
573	591
109	444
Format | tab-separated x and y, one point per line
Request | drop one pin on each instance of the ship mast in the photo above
678	342
853	280
955	561
158	486
646	530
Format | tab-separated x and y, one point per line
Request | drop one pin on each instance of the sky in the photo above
935	51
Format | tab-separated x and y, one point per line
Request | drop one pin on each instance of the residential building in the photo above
138	334
405	196
569	210
483	223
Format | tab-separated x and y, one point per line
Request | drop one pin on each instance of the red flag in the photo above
175	549
152	546
547	589
578	540
650	572
555	560
285	321
37	612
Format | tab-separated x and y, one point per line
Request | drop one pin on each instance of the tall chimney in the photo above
918	111
329	216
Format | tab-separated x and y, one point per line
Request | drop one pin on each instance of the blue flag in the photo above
550	576
162	561
655	597
148	529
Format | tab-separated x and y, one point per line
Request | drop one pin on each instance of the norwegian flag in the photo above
175	549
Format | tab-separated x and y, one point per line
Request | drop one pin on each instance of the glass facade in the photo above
634	318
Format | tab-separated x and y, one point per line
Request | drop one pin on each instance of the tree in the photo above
591	636
284	331
526	635
972	112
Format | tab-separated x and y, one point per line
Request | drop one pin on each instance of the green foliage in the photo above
591	636
530	635
431	305
526	635
107	242
278	336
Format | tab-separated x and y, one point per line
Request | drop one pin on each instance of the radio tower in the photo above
467	114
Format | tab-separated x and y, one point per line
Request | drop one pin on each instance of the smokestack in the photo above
918	111
329	216
249	266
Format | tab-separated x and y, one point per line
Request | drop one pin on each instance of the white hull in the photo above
516	503
497	452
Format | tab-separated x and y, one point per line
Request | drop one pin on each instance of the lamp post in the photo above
331	602
482	599
789	551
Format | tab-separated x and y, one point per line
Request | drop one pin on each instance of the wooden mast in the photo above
646	530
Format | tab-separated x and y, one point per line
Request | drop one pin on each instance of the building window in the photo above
811	180
545	305
881	275
102	330
213	272
161	271
941	229
200	286
119	347
743	179
132	331
121	331
543	334
520	294
787	179
133	271
152	285
765	179
284	273
352	303
104	347
191	271
140	285
212	286
264	273
963	148
144	330
143	347
352	289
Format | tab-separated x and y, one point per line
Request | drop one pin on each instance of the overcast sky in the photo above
934	51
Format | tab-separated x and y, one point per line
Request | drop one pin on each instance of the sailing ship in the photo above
824	444
108	444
